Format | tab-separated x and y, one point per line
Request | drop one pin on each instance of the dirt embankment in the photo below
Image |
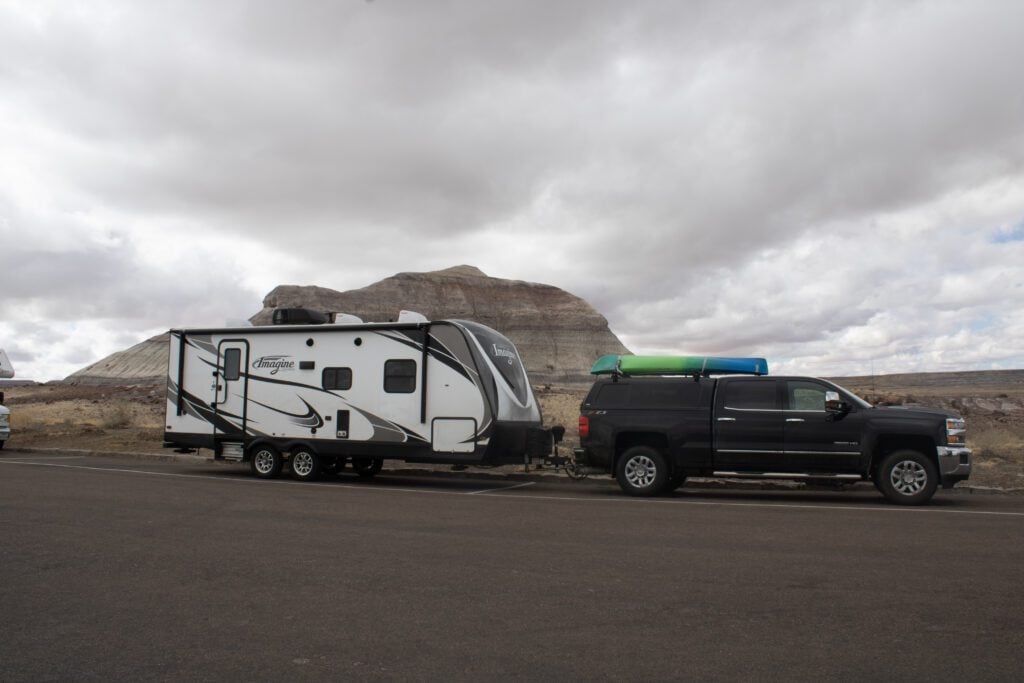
130	418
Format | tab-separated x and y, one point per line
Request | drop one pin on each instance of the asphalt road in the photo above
120	569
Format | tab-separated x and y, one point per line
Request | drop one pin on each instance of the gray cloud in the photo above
714	176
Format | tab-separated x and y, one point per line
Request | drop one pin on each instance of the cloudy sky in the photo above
837	186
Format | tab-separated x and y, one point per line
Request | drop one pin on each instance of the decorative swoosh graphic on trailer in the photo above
310	419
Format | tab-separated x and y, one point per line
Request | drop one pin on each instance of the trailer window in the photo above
337	378
232	364
400	376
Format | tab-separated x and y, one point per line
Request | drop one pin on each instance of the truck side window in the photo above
400	376
805	396
337	378
750	395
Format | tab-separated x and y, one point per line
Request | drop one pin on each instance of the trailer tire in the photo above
907	478
367	467
642	471
305	464
265	461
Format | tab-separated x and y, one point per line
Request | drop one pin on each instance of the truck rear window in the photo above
750	395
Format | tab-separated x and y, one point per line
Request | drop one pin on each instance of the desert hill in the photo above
558	334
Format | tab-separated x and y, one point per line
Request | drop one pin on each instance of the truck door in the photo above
749	426
815	440
230	385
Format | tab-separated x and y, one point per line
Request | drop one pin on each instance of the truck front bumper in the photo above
954	464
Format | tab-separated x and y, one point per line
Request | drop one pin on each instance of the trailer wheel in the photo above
907	478
305	465
265	462
367	467
642	471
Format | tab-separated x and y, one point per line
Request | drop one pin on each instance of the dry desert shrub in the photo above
117	415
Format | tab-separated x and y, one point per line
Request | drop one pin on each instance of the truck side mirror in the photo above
834	404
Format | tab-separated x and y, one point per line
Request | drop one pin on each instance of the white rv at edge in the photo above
318	395
6	372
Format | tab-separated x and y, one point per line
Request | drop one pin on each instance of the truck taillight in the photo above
584	426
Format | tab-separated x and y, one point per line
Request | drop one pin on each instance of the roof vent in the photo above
347	319
411	317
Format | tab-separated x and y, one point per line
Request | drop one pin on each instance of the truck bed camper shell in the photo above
446	391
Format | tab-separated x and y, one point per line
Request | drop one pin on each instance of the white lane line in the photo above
624	500
32	461
498	490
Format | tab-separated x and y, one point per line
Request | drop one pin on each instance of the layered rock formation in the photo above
559	335
144	363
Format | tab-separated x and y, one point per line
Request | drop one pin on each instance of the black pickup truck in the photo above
654	432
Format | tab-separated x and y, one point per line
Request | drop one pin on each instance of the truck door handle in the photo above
727	419
794	419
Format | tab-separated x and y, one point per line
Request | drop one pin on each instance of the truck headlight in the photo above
955	431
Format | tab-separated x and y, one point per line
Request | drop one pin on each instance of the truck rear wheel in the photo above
367	467
265	462
907	478
642	471
305	465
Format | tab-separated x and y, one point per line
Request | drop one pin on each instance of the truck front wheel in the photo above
907	478
642	471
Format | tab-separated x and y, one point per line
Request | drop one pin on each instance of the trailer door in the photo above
231	383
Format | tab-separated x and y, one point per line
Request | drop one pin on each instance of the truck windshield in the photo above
503	354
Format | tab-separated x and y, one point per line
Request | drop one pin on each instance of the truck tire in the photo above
367	467
305	464
907	478
265	462
642	471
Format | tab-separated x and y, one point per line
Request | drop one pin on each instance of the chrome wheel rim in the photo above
640	471
908	477
264	461
302	463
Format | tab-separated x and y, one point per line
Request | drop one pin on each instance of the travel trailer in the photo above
319	394
6	372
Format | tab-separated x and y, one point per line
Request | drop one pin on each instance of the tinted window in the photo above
613	396
337	378
232	364
805	396
400	376
750	395
666	394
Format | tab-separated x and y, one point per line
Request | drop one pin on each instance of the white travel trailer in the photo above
318	395
6	372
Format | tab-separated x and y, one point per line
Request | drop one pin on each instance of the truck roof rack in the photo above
630	365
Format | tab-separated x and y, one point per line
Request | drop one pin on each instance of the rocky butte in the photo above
559	335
